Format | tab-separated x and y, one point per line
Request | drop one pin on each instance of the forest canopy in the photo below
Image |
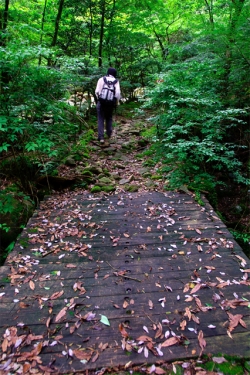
191	58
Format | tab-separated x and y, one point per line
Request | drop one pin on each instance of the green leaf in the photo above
104	320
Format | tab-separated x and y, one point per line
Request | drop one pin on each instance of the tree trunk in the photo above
90	28
4	22
164	51
102	8
210	11
236	12
58	19
42	27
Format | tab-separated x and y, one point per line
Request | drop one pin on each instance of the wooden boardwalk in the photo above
124	279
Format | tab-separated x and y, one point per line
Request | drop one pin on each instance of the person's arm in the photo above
99	87
117	91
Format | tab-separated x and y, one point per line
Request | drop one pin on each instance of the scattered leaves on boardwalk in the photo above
122	279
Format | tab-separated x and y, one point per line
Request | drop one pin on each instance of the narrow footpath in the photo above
123	275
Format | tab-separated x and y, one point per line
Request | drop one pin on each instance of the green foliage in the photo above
15	210
243	239
195	132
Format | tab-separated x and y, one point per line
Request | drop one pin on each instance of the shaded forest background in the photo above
191	61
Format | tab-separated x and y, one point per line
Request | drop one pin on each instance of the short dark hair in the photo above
112	72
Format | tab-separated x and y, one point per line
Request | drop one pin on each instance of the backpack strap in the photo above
109	82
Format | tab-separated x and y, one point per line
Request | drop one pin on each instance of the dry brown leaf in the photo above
23	305
159	331
144	338
61	314
188	313
186	288
159	371
202	341
95	357
57	295
82	354
69	265
32	285
26	367
125	304
169	342
48	322
183	325
234	320
196	288
151	305
122	330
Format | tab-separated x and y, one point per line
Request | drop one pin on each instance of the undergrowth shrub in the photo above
196	132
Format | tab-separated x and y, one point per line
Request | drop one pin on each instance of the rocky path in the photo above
118	165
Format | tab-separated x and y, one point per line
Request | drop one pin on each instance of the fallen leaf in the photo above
219	359
104	320
82	354
151	305
61	314
202	341
95	357
144	338
32	285
57	295
122	330
171	341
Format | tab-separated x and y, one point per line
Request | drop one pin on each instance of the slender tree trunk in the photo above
58	19
4	75
4	22
210	11
237	6
163	50
42	28
103	9
112	14
57	22
90	28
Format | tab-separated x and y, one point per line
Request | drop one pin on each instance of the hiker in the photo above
108	94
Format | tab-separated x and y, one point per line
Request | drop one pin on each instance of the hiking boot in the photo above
102	141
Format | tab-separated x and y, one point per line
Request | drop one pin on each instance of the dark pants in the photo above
104	114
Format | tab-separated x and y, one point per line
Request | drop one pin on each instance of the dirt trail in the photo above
118	165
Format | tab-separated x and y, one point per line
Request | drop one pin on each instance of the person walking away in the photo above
108	93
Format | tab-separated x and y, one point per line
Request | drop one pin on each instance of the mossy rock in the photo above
105	181
132	188
96	189
146	174
106	172
108	188
94	169
70	161
115	176
156	177
128	145
87	173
